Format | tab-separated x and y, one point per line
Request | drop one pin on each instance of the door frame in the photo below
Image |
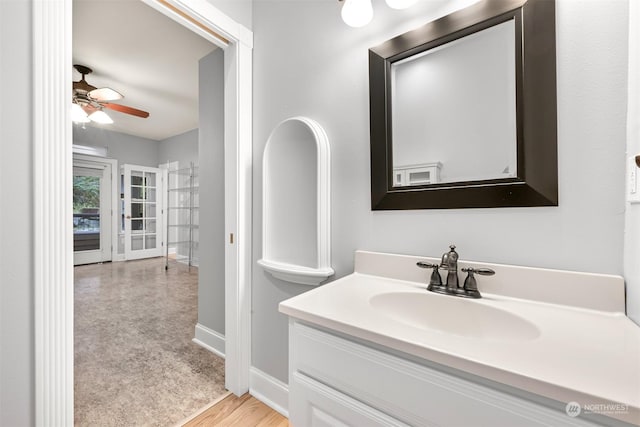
113	165
129	254
52	170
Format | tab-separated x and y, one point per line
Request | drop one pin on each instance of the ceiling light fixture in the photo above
78	115
357	13
101	117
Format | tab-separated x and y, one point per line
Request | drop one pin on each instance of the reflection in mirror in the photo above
454	110
463	110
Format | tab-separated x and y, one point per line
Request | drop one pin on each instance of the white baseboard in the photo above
210	339
269	390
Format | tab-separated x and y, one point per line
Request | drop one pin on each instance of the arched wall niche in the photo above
296	203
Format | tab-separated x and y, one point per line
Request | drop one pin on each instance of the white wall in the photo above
211	145
120	146
16	216
308	62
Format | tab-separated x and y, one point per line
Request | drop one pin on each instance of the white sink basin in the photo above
453	315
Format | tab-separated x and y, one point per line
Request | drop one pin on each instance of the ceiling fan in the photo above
89	101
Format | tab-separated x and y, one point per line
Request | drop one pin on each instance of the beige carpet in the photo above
135	363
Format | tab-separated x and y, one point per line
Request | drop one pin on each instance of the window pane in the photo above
150	242
86	213
136	210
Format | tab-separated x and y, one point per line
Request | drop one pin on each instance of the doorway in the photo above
92	206
140	144
141	219
52	179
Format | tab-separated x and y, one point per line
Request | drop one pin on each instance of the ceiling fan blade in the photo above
105	94
126	110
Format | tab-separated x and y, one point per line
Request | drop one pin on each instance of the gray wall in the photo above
211	149
16	218
120	146
182	148
240	11
308	62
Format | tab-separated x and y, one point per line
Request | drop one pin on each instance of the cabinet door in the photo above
313	404
418	395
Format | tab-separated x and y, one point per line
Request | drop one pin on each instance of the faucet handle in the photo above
470	288
422	264
480	271
435	279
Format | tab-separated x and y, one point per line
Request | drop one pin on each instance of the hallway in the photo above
135	363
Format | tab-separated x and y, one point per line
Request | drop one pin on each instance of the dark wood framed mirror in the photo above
463	110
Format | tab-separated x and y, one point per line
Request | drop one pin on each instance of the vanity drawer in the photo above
409	392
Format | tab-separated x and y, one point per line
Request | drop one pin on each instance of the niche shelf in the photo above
296	203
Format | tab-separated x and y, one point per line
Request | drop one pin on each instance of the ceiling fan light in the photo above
100	117
400	4
105	94
78	115
357	13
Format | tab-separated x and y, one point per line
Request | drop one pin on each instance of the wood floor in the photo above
243	411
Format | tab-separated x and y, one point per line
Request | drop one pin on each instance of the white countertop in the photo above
580	354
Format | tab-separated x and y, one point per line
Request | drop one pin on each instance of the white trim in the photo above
238	192
205	13
52	165
52	226
210	339
269	390
296	273
89	151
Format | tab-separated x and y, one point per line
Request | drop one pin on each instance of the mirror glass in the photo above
453	110
463	110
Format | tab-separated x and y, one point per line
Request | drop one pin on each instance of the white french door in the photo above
91	212
141	216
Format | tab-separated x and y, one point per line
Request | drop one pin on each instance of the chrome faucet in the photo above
449	262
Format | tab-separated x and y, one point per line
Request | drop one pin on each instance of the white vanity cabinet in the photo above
375	348
335	381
